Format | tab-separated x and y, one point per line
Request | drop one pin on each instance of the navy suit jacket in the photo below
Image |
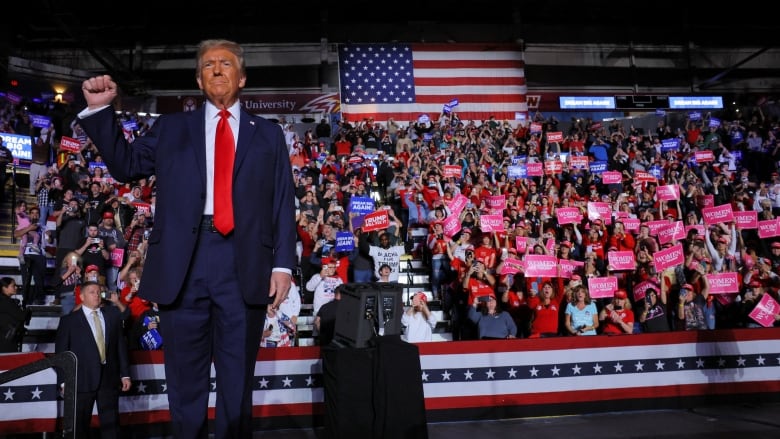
75	335
174	151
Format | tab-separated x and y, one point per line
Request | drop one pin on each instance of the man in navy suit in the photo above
98	379
212	287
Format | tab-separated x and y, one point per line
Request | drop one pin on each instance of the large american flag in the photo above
404	81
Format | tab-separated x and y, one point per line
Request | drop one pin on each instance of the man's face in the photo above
90	296
220	76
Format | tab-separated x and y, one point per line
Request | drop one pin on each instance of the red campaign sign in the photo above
670	232
600	287
568	215
717	214
704	156
723	283
70	144
768	229
541	265
553	166
644	177
765	311
555	136
668	192
579	161
457	204
535	169
491	223
640	290
599	210
653	226
535	127
378	220
746	220
669	257
512	266
452	171
142	207
451	226
495	202
621	260
612	177
568	267
631	224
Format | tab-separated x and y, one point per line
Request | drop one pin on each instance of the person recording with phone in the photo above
491	321
93	250
418	321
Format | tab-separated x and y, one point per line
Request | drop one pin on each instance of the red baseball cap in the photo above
92	267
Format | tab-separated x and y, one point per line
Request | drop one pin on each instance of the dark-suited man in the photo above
212	287
100	375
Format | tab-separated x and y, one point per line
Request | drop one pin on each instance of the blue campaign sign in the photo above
671	144
598	167
453	103
694	115
714	122
130	125
656	171
446	109
517	171
660	112
40	121
361	205
519	159
736	137
345	241
20	146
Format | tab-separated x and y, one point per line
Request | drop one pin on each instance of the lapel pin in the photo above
251	122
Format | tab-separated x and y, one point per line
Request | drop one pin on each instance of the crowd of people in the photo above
449	177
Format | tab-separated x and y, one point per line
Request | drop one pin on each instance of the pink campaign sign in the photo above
621	260
534	169
568	215
670	232
723	283
491	223
747	219
600	287
669	257
768	229
457	204
631	224
452	171
451	226
698	227
765	311
640	290
653	226
521	244
495	202
717	214
612	177
599	210
568	267
668	192
541	265
512	266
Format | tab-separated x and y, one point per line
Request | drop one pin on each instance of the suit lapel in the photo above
246	131
197	127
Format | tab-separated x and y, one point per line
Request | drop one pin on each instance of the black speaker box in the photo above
367	310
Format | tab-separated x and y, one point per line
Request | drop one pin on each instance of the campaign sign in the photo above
512	266
361	205
600	287
541	265
535	127
345	241
694	115
117	257
746	220
656	171
491	223
454	171
699	228
568	215
704	156
631	224
534	169
765	311
378	220
640	289
457	204
671	144
723	283
671	231
599	210
717	214
621	260
141	207
451	226
669	257
668	192
40	121
612	177
521	244
550	245
70	144
553	167
555	136
579	161
653	226
714	122
568	267
768	229
20	146
644	177
516	171
598	167
705	201
495	202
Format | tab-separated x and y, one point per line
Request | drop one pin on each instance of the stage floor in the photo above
726	422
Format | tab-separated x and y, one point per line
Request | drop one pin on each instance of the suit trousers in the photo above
107	399
210	320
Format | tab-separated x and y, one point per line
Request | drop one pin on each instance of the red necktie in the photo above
224	152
